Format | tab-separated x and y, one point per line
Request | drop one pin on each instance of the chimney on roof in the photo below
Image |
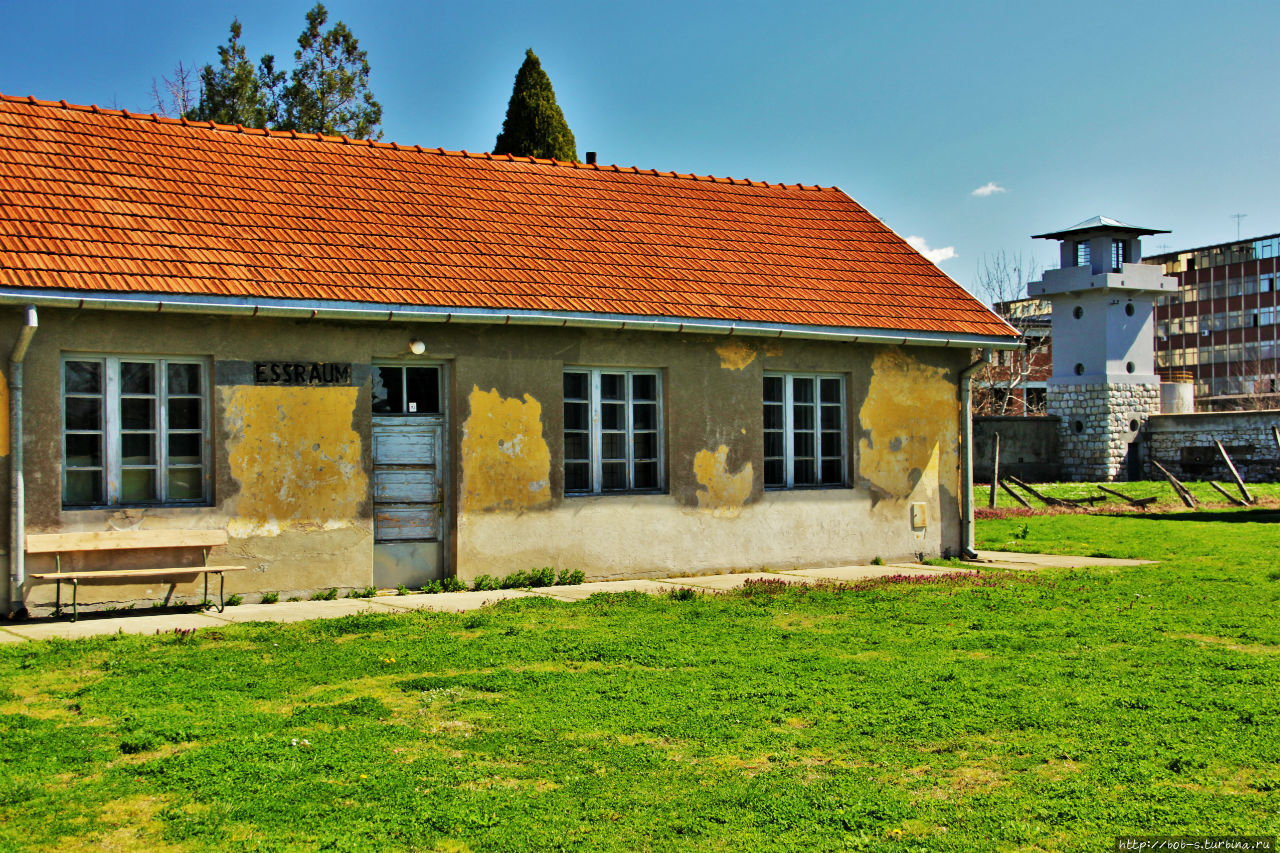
591	158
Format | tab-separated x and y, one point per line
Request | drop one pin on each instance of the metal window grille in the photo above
804	431
135	431
613	438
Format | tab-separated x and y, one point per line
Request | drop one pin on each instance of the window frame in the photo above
595	431
788	430
112	431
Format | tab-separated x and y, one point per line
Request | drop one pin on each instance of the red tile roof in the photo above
106	200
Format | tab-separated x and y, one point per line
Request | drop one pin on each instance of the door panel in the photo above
407	499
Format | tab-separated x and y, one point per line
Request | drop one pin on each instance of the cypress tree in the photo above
535	126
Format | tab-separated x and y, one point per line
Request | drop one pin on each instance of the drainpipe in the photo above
967	550
17	491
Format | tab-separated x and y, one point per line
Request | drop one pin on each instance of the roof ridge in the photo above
369	143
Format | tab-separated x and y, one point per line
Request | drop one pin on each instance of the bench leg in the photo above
75	603
222	585
205	601
57	601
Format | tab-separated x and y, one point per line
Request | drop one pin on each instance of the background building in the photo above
1220	328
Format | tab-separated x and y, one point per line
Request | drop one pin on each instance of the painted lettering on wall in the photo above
301	373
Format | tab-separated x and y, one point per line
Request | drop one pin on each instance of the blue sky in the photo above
1161	114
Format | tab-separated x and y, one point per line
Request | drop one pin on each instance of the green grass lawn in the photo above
1018	712
1263	493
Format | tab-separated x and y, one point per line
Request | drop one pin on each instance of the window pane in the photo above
83	488
613	386
137	413
773	417
137	377
644	387
773	443
138	448
137	484
774	473
184	378
773	389
388	390
613	416
575	416
576	385
646	445
831	390
644	416
184	413
831	471
802	390
802	417
831	444
804	472
185	484
84	413
577	445
84	451
803	444
83	377
184	448
613	445
646	475
831	417
577	477
615	476
423	390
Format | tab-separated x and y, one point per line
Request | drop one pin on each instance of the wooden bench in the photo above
127	540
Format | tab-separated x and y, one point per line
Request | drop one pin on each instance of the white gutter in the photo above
318	309
967	549
17	488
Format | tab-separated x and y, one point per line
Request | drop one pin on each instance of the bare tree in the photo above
1001	279
173	96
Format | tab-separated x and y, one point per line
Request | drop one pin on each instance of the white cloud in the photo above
989	188
945	253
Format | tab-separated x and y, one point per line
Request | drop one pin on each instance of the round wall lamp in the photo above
417	347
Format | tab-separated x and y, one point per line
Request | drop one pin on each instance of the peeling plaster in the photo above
296	457
724	494
911	418
736	354
506	464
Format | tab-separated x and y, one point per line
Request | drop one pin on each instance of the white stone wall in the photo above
1097	425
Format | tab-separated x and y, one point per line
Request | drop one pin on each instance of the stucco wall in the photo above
292	465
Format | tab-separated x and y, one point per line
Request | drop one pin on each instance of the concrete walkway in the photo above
139	622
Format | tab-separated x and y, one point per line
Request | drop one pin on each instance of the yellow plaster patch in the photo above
735	354
913	416
724	494
506	464
296	457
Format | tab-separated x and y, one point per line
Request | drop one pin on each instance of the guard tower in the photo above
1104	382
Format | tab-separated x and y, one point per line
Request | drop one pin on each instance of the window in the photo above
1082	253
804	430
135	431
612	431
406	390
1119	255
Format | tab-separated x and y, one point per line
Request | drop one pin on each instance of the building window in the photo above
804	430
612	431
406	390
135	431
1119	255
1082	253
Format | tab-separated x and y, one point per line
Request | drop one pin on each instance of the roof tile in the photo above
98	199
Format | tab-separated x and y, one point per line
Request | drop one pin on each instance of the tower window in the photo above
1082	253
1119	255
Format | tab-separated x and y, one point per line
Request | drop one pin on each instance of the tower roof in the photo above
1098	223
